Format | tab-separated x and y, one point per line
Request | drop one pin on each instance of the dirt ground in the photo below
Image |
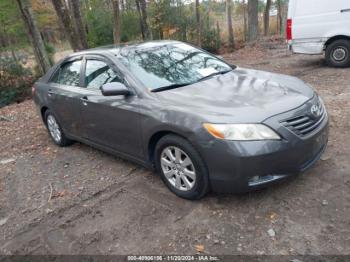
78	200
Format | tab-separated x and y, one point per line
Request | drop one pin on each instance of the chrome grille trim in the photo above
304	125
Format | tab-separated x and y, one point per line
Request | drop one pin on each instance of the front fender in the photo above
169	121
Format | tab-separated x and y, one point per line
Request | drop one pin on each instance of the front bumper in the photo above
236	167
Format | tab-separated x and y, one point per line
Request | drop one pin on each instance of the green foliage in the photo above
100	24
15	81
210	37
50	49
211	40
130	26
11	25
175	20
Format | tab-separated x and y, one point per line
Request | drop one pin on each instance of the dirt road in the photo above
78	200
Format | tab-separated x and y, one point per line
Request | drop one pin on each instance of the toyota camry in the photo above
200	122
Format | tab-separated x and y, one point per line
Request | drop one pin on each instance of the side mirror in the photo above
115	89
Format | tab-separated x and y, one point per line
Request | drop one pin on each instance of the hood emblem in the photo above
316	110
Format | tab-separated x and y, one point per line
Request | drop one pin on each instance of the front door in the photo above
113	122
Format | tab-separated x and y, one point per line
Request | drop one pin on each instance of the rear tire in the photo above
55	131
338	53
181	168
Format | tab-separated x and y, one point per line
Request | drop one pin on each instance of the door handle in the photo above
85	100
50	93
345	10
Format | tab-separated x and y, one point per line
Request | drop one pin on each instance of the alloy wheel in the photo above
178	168
54	128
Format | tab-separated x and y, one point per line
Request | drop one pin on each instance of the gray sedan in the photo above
201	123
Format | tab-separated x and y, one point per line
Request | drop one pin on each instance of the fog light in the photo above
258	180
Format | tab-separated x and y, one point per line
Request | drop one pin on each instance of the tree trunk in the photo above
78	22
40	53
279	17
267	17
198	23
231	40
66	21
253	21
141	9
116	14
244	21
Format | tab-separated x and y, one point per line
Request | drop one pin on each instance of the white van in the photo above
317	26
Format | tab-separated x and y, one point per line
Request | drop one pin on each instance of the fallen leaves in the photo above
7	161
5	118
24	132
3	221
273	217
271	232
60	194
199	248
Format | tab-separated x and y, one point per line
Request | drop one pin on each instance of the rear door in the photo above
63	94
114	121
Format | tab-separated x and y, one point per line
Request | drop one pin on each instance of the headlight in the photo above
241	132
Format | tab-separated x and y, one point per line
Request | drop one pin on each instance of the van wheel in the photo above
181	168
338	53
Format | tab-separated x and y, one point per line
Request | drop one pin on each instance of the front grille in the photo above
304	125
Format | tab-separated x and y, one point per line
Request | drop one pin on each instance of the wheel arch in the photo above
153	140
43	110
335	38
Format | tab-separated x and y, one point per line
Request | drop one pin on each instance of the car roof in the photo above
115	49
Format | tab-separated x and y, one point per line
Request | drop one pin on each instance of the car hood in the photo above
242	95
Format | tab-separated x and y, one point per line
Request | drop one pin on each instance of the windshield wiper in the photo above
214	74
173	86
163	88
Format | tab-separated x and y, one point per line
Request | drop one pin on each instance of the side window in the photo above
98	73
68	74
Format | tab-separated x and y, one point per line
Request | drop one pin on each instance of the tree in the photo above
281	15
11	27
267	17
245	30
116	15
65	20
33	33
141	9
231	41
253	21
78	22
198	23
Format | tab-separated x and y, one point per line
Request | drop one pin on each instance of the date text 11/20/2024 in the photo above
173	258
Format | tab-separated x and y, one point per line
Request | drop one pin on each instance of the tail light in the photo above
289	29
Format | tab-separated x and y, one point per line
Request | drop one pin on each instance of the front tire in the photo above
181	168
338	53
55	130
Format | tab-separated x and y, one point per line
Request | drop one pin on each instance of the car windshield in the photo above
161	65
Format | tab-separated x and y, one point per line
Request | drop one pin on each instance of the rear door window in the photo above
98	73
68	74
